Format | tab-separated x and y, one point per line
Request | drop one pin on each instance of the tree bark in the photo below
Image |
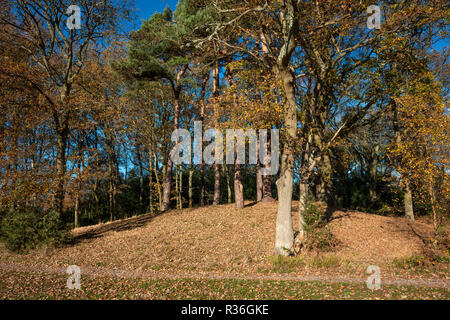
284	235
227	176
111	193
158	184
150	182
61	167
327	171
409	210
408	201
167	186
373	173
304	189
180	190
216	83
307	170
141	177
202	165
259	183
216	200
238	187
266	187
191	173
78	188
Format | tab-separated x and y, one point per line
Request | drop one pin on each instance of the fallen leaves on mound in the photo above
221	239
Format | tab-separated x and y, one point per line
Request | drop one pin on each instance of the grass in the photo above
419	265
326	262
20	285
281	264
179	245
409	262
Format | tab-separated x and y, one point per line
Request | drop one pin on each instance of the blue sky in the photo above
148	7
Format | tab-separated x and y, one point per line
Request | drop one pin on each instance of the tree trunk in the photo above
77	199
216	83
284	236
408	202
180	189
111	192
202	165
373	173
141	178
227	176
319	194
327	171
409	210
76	213
168	174
191	173
177	193
306	172
238	187
304	189
216	200
433	204
158	184
150	182
61	168
267	180
167	185
259	183
202	184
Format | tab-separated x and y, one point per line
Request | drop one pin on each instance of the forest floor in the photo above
220	252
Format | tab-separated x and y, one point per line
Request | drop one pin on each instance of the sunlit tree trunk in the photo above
409	210
227	176
238	187
141	177
284	237
216	83
167	185
266	187
150	181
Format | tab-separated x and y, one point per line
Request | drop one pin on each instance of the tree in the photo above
422	151
39	28
155	54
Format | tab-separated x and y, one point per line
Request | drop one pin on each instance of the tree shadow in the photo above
116	226
252	204
329	213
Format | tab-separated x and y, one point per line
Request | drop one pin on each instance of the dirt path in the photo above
157	275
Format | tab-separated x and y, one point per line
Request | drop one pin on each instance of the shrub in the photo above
319	234
27	229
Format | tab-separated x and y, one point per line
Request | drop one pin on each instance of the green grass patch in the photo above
15	285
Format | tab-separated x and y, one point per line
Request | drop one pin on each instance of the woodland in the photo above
87	115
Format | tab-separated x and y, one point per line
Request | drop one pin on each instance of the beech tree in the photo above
40	29
318	51
421	151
